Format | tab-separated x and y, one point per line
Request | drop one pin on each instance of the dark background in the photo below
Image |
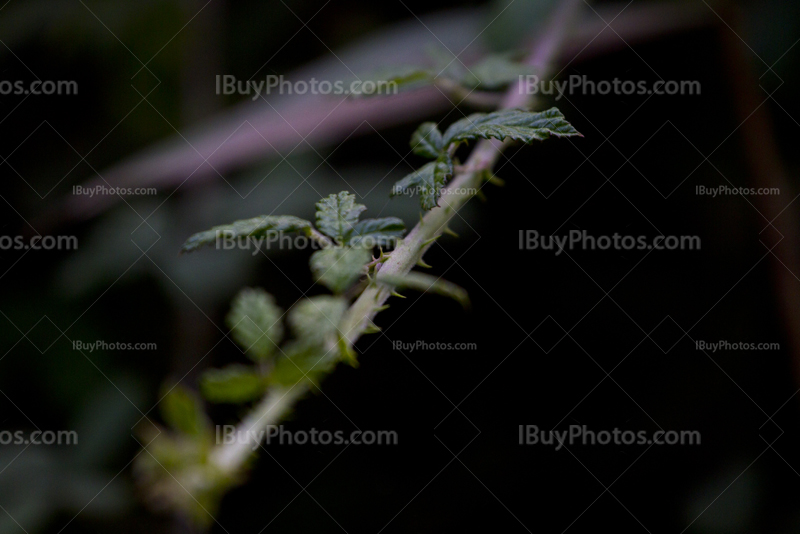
548	328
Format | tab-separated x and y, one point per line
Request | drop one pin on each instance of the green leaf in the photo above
515	124
427	284
336	214
495	72
316	320
255	323
266	225
234	384
183	411
303	362
376	232
427	140
427	182
338	268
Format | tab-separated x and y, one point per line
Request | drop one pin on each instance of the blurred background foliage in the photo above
108	290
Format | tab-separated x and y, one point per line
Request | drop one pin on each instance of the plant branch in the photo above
229	458
482	158
271	410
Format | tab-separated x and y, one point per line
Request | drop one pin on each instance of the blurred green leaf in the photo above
183	411
303	361
255	323
234	384
401	78
338	268
495	72
316	319
510	23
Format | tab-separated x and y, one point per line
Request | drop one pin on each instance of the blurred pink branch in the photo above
258	130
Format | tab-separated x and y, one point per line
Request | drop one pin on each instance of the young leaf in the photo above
336	214
427	182
182	410
316	320
443	169
515	124
427	284
375	232
303	361
495	72
266	225
234	384
255	323
338	268
427	140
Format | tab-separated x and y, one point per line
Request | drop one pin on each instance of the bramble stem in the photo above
482	158
271	410
409	252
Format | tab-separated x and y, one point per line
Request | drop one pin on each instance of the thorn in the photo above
372	329
421	220
347	352
421	263
448	231
431	240
382	308
396	294
494	180
481	196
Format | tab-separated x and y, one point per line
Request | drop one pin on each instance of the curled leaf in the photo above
427	140
427	182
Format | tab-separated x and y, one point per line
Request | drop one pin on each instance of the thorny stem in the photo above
278	401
